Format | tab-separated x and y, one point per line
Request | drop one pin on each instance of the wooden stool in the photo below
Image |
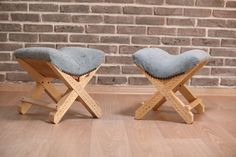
166	92
44	72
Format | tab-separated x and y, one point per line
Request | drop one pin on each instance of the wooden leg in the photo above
190	97
90	104
62	106
148	105
84	97
179	106
158	105
36	93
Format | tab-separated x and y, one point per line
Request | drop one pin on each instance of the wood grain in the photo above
117	134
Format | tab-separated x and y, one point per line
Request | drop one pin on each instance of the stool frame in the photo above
166	92
44	73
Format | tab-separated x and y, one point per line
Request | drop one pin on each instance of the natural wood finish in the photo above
39	103
166	92
213	134
36	93
44	73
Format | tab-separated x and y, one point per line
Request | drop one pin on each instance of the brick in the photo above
231	4
106	9
119	19
69	28
168	11
87	18
215	62
180	22
205	42
13	6
119	1
128	49
40	45
138	81
184	49
228	81
222	33
211	23
150	20
224	13
231	23
10	27
105	48
4	16
25	17
3	37
109	70
180	2
223	52
161	31
112	80
87	1
115	39
74	8
171	50
10	46
223	71
2	77
84	38
58	46
191	32
197	12
37	28
175	41
119	59
16	76
216	23
10	67
130	70
100	29
228	42
150	2
23	37
230	62
210	3
145	40
204	81
131	29
204	71
5	56
43	7
56	18
137	10
53	38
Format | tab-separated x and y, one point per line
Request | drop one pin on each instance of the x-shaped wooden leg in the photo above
167	89
42	84
36	93
63	102
78	89
191	98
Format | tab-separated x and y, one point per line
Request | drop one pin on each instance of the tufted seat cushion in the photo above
71	60
161	64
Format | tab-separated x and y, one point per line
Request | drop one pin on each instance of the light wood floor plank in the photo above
109	138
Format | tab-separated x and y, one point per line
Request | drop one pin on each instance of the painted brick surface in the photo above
119	28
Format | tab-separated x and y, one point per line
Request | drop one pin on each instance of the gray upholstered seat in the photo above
71	60
161	64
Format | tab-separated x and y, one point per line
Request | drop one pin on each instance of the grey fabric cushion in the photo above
71	60
161	64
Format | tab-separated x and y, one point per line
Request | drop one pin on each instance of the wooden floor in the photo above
117	134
